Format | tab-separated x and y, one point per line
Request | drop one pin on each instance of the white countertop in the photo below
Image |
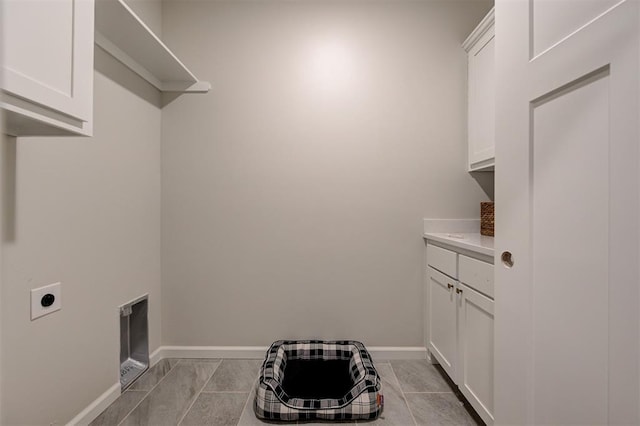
469	241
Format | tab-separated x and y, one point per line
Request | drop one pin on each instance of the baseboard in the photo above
397	352
236	352
430	358
94	409
258	352
156	356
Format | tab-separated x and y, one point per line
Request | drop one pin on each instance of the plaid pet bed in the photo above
363	401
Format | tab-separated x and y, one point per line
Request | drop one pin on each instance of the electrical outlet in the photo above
45	300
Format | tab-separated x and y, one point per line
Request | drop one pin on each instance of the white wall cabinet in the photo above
460	322
481	95
47	86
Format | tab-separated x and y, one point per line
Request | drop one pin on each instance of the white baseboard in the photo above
156	356
236	352
397	352
94	409
259	352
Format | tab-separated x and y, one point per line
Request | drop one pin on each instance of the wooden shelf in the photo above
119	31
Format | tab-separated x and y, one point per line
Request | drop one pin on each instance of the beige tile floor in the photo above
220	392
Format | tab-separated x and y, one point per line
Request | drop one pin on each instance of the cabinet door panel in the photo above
476	351
481	101
49	54
45	30
442	320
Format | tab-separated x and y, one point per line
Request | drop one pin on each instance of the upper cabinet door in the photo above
567	309
481	95
48	63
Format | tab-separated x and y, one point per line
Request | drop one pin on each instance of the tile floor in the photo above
220	392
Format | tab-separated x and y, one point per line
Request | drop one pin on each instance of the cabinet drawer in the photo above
442	259
476	274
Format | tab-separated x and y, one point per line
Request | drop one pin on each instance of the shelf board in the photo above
120	32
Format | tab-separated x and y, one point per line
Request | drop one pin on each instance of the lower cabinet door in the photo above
475	352
442	320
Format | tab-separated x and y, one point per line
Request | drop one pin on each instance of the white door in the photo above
567	189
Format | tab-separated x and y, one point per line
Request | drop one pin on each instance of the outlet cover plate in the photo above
37	310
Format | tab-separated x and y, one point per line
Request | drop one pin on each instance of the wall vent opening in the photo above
134	340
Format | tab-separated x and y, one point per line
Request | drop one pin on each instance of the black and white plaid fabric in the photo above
363	401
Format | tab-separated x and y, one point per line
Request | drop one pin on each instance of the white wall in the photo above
86	212
293	193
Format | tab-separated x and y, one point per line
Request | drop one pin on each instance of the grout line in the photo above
149	391
136	406
164	375
198	394
427	392
237	392
404	398
249	397
213	374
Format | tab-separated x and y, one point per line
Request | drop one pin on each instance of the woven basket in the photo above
487	216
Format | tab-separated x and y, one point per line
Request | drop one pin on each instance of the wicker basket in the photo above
487	215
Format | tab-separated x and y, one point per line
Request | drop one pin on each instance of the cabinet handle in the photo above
449	286
459	290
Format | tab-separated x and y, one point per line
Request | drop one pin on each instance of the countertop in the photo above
469	241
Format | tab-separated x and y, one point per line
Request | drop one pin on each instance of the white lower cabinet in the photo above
475	351
443	323
460	324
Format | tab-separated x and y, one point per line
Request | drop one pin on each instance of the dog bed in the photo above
318	380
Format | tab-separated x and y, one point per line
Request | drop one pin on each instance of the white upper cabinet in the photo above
481	95
47	86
